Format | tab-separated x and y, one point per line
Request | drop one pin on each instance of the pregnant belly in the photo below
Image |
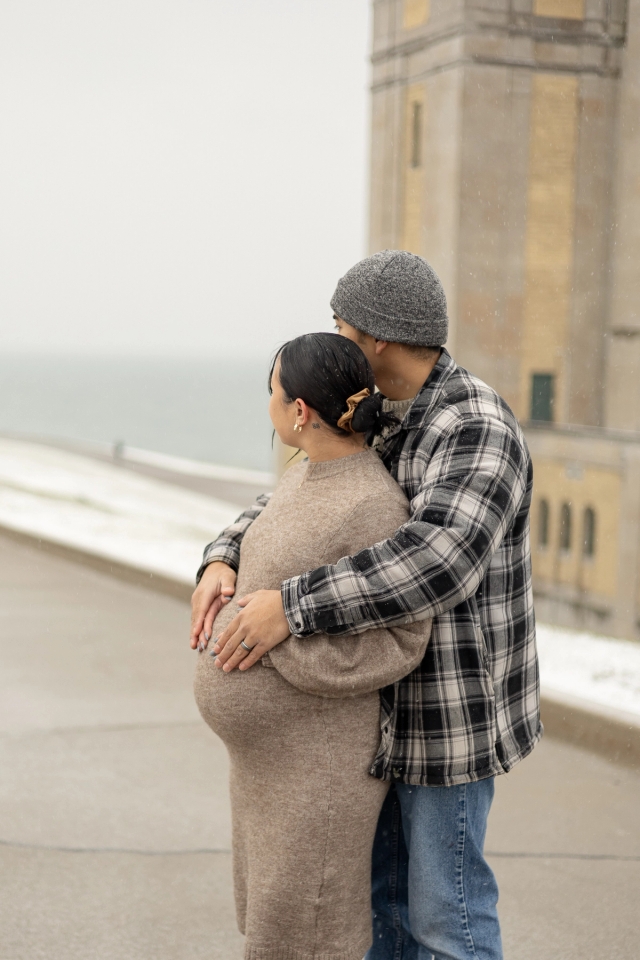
249	707
268	724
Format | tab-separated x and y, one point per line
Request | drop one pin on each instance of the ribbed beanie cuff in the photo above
394	296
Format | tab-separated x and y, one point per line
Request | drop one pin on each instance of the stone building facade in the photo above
506	150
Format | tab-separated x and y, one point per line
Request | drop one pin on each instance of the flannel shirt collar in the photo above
428	396
431	393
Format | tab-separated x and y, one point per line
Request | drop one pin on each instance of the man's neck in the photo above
401	376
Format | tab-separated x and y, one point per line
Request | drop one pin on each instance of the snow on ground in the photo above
197	468
598	670
100	508
103	509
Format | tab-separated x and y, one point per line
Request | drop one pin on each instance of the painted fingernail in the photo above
200	648
207	637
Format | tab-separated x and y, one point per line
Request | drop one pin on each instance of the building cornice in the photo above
539	66
582	432
539	34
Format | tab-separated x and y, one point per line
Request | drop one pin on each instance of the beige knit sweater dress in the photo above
302	726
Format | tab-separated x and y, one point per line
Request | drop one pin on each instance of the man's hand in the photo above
261	624
217	586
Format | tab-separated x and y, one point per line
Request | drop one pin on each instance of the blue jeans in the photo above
434	894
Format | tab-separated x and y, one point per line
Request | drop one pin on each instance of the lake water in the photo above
213	410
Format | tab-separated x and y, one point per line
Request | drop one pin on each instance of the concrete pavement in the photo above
111	784
564	841
114	819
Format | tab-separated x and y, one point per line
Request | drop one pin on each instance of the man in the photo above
471	710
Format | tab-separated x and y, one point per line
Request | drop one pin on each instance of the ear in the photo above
381	346
303	412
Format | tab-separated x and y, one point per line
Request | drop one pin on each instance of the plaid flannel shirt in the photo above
471	709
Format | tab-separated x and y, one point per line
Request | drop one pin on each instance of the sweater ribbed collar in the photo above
331	468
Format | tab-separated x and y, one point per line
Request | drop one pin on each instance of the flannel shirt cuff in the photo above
298	624
225	550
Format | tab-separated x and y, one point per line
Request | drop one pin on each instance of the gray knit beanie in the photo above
394	296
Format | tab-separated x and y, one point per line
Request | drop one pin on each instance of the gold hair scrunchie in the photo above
352	402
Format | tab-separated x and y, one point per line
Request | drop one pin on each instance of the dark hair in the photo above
420	352
324	369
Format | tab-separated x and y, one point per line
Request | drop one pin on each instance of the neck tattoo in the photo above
316	426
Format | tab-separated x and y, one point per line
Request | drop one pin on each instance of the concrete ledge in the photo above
615	737
114	568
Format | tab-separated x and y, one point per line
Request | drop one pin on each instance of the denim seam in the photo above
462	836
393	893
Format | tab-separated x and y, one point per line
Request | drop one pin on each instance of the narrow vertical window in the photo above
565	527
542	396
543	523
416	134
589	532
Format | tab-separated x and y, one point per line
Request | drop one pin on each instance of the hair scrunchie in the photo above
352	402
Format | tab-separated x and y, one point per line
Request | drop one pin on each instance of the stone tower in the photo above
506	150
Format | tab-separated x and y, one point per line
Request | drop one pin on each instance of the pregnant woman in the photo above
302	726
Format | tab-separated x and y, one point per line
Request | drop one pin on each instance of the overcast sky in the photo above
178	175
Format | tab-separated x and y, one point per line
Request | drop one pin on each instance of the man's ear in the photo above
381	345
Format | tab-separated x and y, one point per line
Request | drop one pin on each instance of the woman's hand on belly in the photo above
216	588
261	625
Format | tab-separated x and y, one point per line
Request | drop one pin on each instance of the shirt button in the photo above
298	624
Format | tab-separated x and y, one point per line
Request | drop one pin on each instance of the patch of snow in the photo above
196	468
99	508
599	670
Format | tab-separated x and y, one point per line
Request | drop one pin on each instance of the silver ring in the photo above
245	647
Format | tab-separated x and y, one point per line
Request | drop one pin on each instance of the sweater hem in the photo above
257	951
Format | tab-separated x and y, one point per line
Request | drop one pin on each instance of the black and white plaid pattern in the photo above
227	546
471	710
